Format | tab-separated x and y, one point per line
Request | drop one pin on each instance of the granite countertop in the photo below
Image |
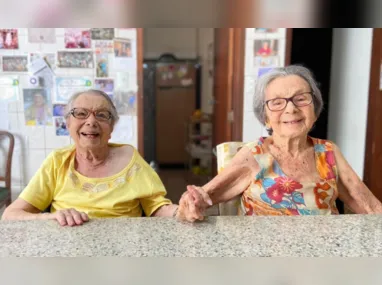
345	235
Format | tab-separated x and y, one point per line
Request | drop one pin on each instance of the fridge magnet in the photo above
122	48
15	63
61	129
106	85
77	38
37	107
59	110
9	39
263	70
42	35
102	65
75	59
125	102
67	86
266	61
102	34
50	58
265	47
9	88
104	47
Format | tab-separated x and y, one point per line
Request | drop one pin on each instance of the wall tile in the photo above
53	141
33	161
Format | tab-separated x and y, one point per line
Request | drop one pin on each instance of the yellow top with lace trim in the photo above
59	185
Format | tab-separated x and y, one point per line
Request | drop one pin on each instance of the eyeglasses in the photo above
299	100
82	114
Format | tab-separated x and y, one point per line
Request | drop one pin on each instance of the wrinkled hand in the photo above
193	203
70	217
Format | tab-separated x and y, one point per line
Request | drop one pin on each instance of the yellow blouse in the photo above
59	185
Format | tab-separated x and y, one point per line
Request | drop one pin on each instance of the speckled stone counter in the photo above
346	235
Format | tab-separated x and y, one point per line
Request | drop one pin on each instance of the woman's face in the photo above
38	100
90	133
292	121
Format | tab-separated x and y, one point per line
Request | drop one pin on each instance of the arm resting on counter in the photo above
352	191
22	210
234	179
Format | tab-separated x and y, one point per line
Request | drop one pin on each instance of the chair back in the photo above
6	151
225	152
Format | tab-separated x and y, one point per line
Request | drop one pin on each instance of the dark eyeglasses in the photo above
82	114
299	100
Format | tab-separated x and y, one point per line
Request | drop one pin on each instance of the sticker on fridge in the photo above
15	63
37	107
9	39
76	59
77	38
67	86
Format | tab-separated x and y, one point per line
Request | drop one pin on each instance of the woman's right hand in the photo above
192	204
69	217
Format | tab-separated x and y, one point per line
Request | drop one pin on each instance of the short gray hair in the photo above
73	98
263	82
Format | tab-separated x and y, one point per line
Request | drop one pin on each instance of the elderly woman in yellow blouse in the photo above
289	172
93	178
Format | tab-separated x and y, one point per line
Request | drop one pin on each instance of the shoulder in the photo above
321	145
60	156
123	150
256	147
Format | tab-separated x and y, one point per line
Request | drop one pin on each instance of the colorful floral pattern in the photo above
273	193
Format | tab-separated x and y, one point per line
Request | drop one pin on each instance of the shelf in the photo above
198	152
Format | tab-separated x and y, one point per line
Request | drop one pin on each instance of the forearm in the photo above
228	184
362	201
166	211
22	215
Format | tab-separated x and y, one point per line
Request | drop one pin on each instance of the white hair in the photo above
263	82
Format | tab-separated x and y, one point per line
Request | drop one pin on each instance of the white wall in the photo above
349	92
187	43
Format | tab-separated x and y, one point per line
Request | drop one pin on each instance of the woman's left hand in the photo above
193	203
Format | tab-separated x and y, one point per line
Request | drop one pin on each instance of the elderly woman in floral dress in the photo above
289	172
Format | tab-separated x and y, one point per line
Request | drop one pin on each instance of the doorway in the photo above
312	48
175	83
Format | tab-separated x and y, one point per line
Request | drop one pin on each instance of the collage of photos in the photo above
266	49
47	89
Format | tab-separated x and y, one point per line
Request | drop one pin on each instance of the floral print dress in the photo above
274	193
